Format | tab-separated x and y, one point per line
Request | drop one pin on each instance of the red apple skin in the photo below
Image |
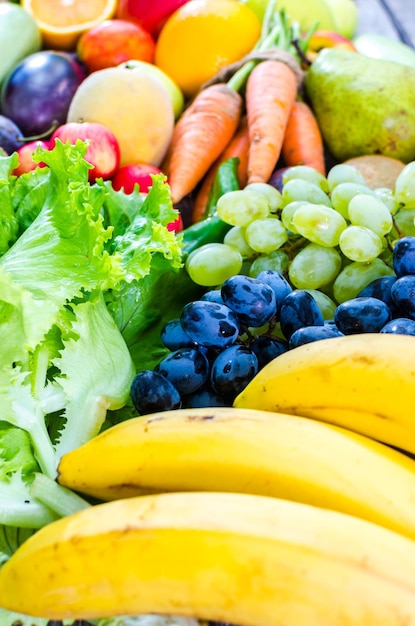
177	225
113	42
128	175
103	151
327	39
152	14
26	162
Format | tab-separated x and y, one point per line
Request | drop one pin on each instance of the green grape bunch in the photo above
331	234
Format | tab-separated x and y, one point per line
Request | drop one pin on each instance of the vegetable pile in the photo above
78	267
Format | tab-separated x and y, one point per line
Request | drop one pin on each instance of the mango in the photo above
135	106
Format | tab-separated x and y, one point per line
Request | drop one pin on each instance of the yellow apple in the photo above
340	16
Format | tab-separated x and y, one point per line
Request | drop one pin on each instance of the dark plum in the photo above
267	348
403	295
213	295
37	93
404	256
299	309
11	137
203	397
363	314
174	337
152	392
210	324
381	288
399	326
233	369
278	283
187	369
252	300
307	334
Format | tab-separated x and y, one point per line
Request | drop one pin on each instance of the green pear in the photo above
363	105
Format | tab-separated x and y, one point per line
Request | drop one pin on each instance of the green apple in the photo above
19	36
173	89
340	16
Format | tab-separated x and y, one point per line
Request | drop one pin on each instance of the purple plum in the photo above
37	93
11	137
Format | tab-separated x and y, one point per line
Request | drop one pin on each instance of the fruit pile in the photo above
207	298
321	259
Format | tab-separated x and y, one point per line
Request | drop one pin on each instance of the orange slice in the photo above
62	22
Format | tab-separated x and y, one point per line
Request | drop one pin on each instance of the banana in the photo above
247	451
363	382
237	558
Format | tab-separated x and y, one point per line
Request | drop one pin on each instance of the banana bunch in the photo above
255	514
239	558
247	451
364	383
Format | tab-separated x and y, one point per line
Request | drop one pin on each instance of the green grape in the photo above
370	211
213	263
326	305
274	196
235	237
299	189
359	243
319	224
355	276
305	173
343	193
240	207
287	215
405	186
266	235
277	261
314	266
405	221
344	173
388	198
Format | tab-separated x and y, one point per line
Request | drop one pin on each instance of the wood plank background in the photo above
393	18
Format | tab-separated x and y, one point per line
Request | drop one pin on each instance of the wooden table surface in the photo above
393	18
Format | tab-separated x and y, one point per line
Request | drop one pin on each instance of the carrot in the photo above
200	136
303	142
237	147
271	91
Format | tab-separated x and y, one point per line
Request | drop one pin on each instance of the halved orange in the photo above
62	22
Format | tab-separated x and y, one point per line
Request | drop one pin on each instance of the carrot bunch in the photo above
256	116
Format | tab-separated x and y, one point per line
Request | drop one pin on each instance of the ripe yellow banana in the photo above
363	382
247	451
238	558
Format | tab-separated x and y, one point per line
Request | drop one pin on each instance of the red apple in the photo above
128	175
113	42
327	39
26	162
177	225
103	151
149	13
